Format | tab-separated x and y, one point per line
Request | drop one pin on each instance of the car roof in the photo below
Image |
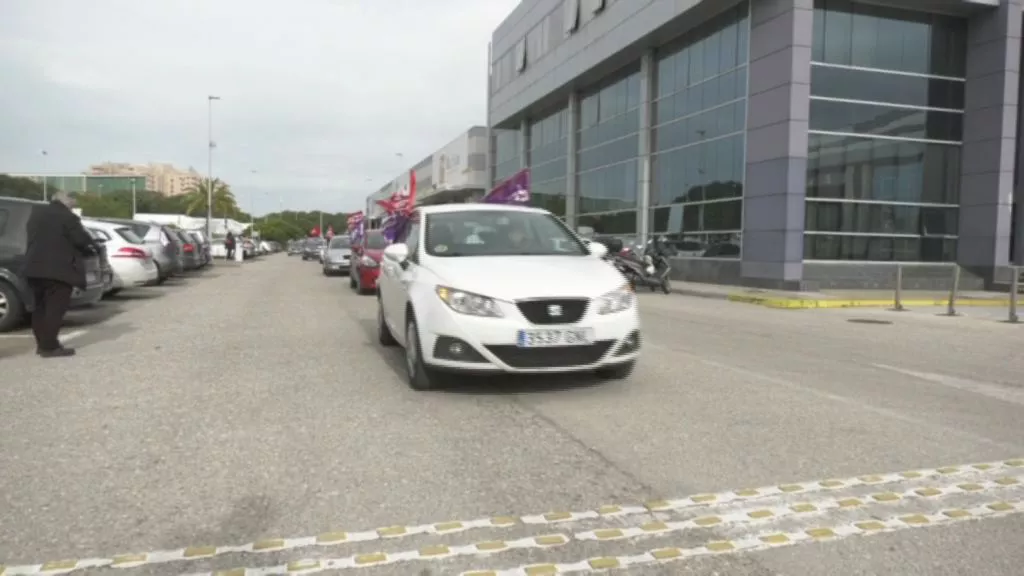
477	207
102	224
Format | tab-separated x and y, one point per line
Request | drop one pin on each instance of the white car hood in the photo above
512	278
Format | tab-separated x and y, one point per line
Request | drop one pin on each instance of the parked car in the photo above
248	249
15	296
130	257
295	247
337	256
105	268
190	252
366	256
529	297
166	251
202	247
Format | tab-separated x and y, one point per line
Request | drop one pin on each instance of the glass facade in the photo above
507	154
699	119
548	162
886	124
606	163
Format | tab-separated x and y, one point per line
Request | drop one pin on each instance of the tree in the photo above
21	188
224	203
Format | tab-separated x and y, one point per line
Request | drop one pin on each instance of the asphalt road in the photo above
248	419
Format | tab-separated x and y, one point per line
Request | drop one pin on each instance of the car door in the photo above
400	277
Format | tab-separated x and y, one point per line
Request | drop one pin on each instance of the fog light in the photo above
456	349
448	348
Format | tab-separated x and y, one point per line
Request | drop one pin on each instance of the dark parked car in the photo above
191	254
15	297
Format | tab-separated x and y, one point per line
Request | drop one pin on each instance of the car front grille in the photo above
551	356
554	310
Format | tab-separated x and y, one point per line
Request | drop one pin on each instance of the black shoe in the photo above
58	353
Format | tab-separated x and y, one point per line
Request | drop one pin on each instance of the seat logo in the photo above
554	310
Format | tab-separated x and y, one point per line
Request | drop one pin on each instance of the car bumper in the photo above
337	266
493	342
92	294
368	277
131	272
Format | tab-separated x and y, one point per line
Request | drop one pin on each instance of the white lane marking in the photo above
69	336
978	472
1005	393
767	540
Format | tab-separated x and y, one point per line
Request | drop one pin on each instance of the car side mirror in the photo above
397	253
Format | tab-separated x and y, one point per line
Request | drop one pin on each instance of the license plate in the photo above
560	337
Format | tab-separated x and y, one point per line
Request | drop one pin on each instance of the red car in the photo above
366	257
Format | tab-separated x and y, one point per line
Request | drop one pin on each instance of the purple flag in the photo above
515	190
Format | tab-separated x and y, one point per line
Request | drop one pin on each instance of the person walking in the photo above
54	266
229	245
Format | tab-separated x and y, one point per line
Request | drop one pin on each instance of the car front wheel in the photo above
420	376
11	308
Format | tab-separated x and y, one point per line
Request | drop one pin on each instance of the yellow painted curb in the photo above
808	303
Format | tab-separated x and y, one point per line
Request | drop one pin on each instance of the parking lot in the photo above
246	418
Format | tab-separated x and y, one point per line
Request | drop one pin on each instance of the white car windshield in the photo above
499	233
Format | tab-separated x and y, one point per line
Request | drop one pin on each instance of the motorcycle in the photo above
646	265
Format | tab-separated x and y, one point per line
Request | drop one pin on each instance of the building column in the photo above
645	139
571	141
781	32
989	141
524	143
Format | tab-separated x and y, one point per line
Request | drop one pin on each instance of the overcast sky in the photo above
316	94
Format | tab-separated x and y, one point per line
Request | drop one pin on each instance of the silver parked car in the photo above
337	256
161	240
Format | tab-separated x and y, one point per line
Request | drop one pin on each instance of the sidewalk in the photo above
836	298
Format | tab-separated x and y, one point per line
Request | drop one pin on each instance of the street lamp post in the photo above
209	165
46	195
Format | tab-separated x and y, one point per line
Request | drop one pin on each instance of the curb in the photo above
782	303
810	303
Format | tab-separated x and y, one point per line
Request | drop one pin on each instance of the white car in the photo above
529	297
130	258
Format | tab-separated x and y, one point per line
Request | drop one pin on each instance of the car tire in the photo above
14	312
617	371
160	276
384	334
420	377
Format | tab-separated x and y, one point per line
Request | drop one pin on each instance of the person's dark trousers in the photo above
231	253
52	300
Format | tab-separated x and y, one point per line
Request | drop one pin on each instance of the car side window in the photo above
412	240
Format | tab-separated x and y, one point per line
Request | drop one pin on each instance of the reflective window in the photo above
507	151
606	162
886	121
849	33
548	161
699	118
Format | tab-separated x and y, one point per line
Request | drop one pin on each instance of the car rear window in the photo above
140	230
129	235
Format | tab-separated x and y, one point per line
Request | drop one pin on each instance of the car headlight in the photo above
368	262
616	301
469	303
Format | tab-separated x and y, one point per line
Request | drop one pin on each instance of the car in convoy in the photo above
338	255
15	296
487	288
367	254
295	247
311	248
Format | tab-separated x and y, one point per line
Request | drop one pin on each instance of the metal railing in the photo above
1016	275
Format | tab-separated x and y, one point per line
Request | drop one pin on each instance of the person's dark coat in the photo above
57	245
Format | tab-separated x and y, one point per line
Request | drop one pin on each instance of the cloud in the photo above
314	93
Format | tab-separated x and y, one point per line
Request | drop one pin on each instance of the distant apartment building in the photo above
160	177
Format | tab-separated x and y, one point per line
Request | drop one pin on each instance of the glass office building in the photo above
791	144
